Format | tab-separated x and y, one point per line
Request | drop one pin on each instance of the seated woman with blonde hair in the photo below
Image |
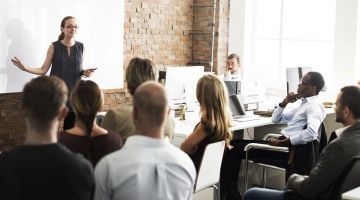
86	137
215	118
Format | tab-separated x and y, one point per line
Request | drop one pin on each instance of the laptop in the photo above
237	108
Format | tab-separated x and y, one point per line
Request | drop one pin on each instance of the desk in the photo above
185	127
353	194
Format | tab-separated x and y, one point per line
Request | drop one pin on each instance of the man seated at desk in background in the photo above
310	113
233	68
334	158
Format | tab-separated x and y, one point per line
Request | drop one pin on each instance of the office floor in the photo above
275	179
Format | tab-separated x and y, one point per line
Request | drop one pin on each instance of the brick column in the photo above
202	34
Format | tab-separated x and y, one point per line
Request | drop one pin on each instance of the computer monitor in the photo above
293	77
233	87
236	105
180	84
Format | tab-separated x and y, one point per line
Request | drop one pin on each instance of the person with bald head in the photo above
148	166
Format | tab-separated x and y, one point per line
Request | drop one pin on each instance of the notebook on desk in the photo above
237	108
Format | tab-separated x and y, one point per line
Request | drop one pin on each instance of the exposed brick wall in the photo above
222	42
11	121
158	30
202	33
169	32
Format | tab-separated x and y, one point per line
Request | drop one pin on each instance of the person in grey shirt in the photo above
119	118
148	166
332	161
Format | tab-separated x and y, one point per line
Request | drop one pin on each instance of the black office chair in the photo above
348	179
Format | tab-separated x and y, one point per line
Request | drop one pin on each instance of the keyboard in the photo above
245	118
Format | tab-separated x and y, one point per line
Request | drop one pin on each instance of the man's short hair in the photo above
43	97
152	102
349	97
139	71
234	55
317	80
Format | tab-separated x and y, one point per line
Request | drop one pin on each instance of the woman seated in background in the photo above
119	119
86	137
215	118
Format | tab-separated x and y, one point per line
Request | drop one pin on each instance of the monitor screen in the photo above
180	83
236	105
293	77
233	87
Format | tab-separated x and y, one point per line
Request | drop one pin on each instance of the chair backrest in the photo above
209	170
322	138
348	179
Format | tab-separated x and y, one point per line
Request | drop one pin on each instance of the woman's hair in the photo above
62	25
139	71
214	109
86	99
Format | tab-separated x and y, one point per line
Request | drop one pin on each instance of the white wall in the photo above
346	44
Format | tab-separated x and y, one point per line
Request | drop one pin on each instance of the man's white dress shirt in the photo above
310	112
145	168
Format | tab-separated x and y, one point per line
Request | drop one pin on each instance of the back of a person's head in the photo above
86	99
139	71
317	80
234	55
151	102
213	100
349	97
43	97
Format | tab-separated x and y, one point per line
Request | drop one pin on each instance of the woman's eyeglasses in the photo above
71	27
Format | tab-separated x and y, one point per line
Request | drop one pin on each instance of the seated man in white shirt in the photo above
333	160
303	123
148	166
233	68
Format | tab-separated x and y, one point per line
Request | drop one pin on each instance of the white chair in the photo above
209	171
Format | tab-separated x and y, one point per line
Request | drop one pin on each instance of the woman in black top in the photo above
66	57
86	137
215	118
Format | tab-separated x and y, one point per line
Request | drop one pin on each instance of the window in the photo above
272	35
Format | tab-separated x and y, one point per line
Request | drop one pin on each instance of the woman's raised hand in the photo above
18	63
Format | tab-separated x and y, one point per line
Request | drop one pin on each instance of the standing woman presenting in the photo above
66	57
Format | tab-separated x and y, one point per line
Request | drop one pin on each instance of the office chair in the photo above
301	164
259	146
209	171
348	179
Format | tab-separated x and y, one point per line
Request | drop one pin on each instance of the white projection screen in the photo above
29	26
